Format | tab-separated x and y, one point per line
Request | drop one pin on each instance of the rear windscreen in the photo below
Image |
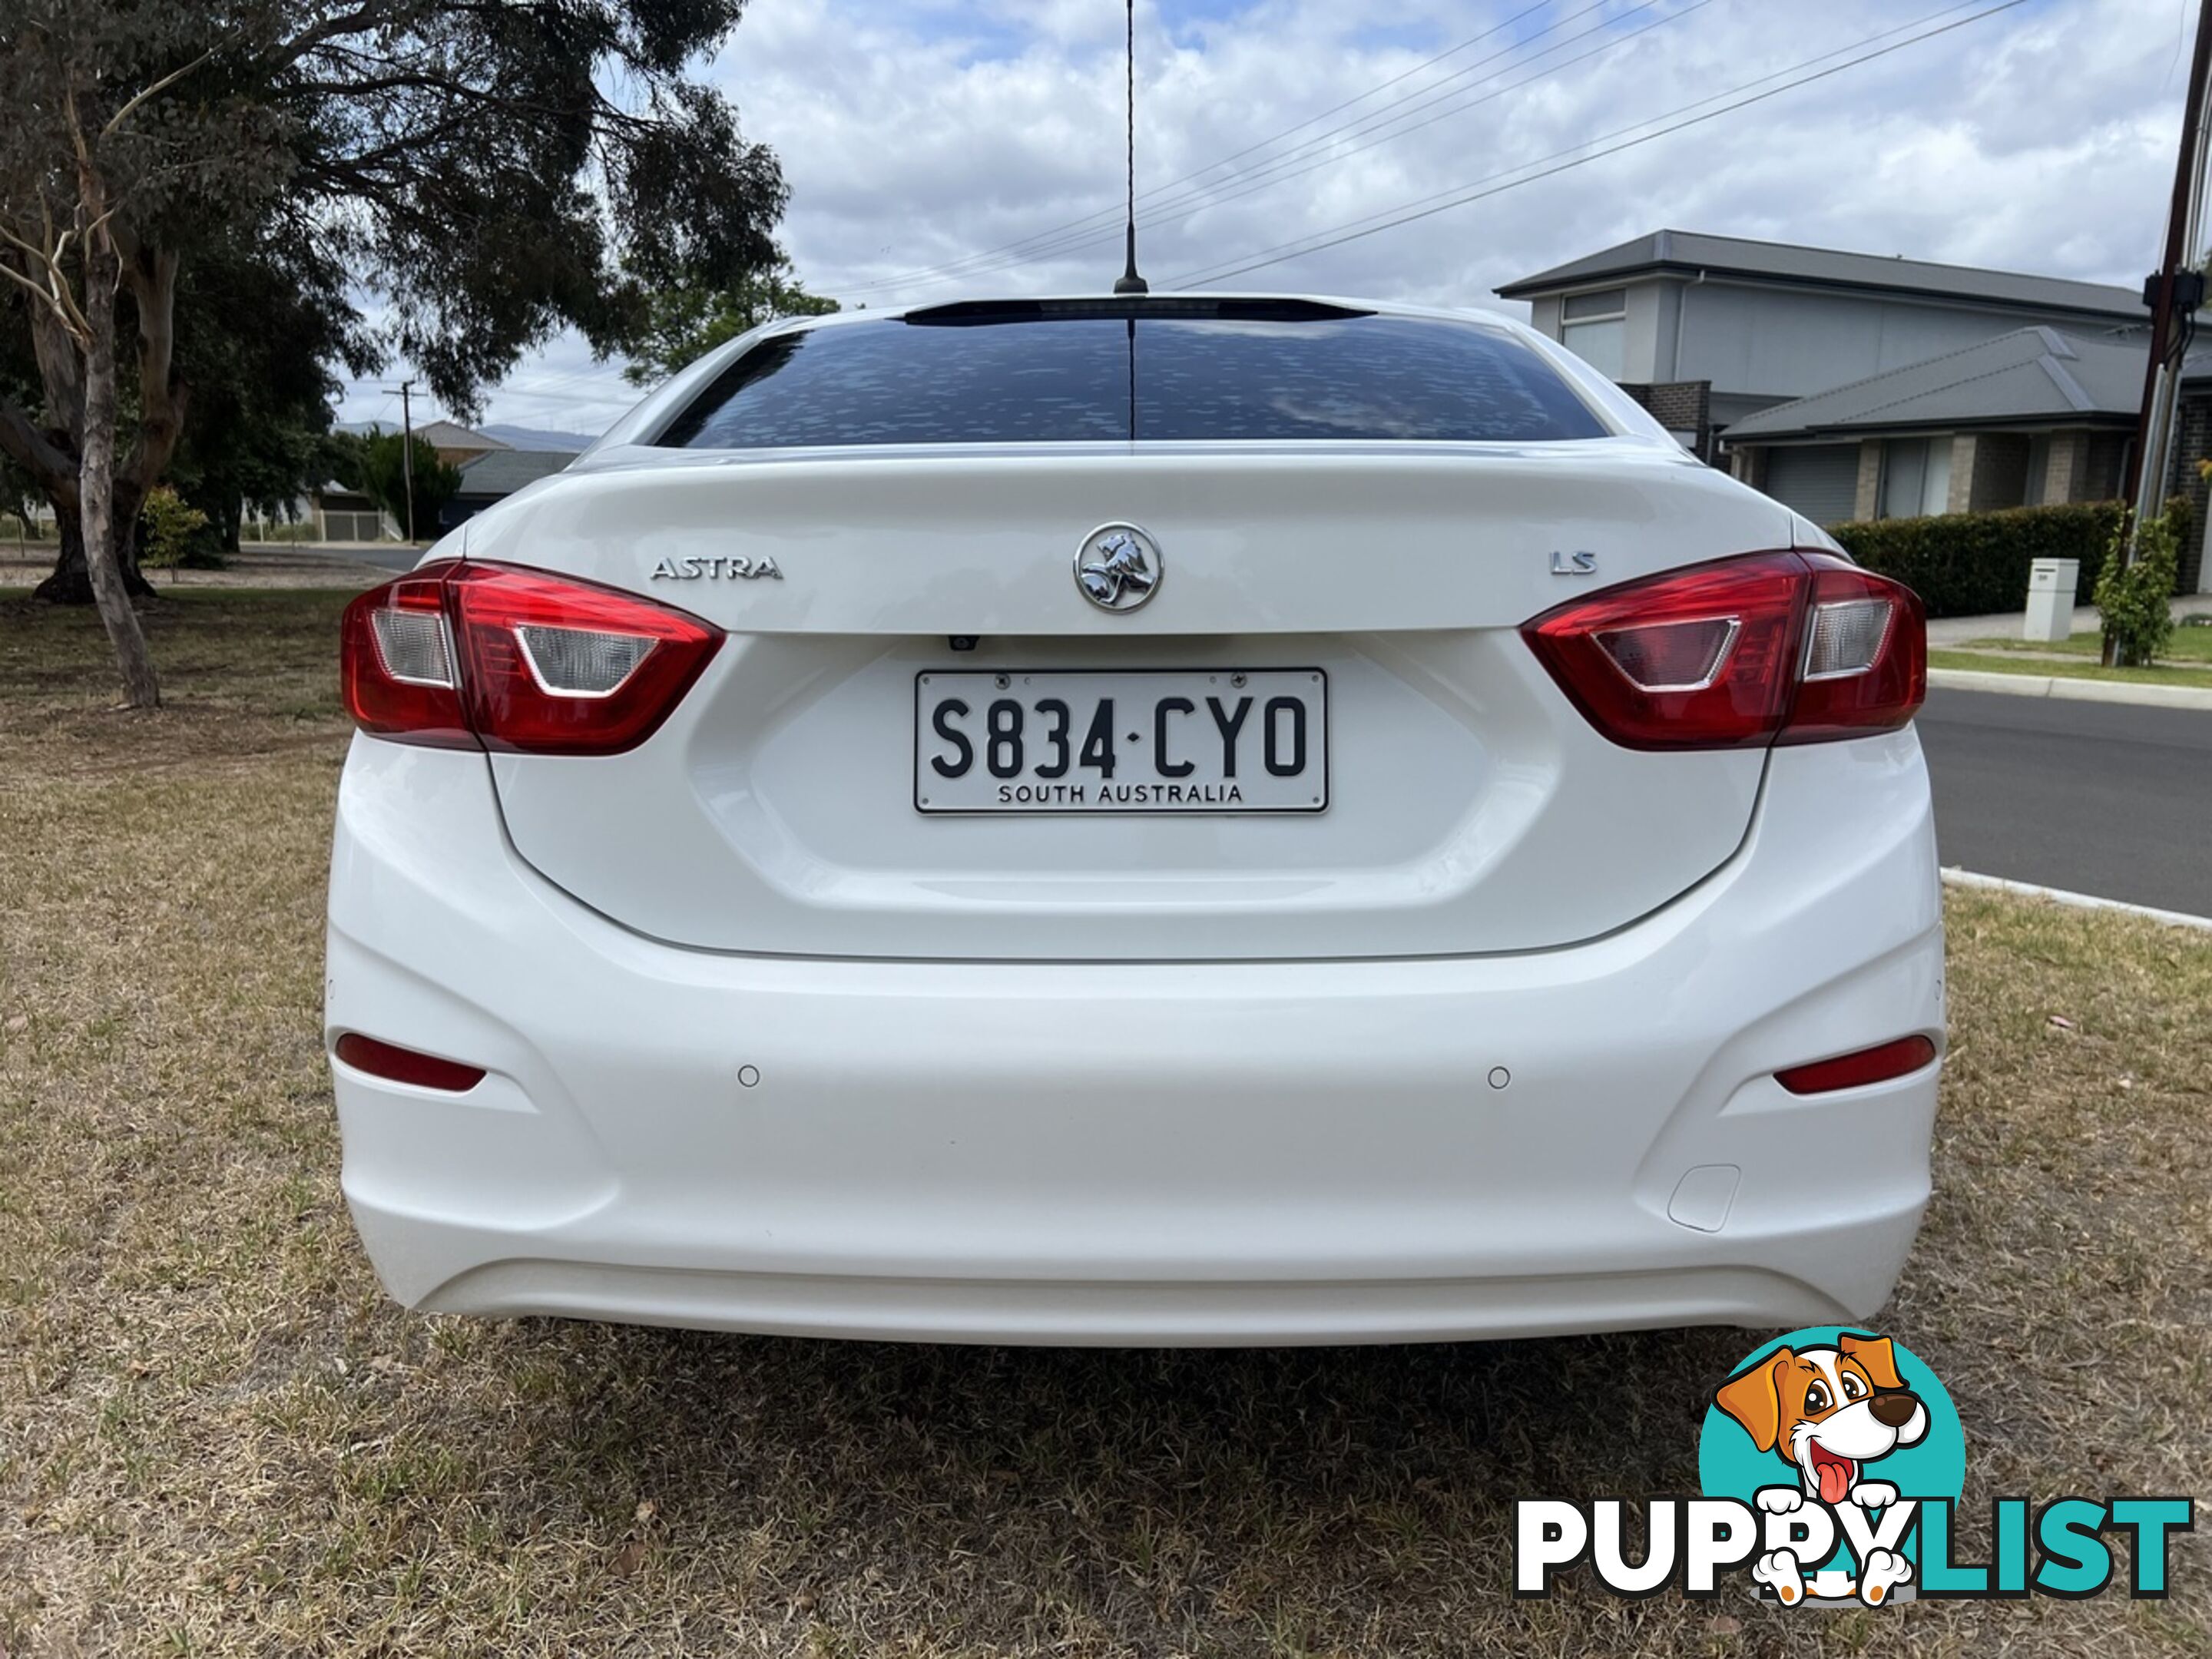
962	379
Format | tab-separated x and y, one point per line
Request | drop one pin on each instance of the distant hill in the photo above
534	437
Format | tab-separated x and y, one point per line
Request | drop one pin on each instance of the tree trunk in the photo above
96	490
162	401
69	582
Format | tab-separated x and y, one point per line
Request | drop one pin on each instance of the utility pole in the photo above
2173	295
407	449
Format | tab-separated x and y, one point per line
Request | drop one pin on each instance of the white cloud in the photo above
916	133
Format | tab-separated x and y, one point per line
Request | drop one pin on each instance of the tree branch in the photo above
33	451
116	120
361	19
16	275
56	294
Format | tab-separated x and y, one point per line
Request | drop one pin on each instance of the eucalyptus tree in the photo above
485	173
682	322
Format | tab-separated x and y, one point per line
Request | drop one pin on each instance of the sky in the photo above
941	149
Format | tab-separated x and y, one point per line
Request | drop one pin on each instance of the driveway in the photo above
2106	799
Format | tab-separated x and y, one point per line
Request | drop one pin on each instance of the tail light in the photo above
1774	647
489	656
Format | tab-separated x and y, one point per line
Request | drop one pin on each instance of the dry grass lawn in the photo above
216	1437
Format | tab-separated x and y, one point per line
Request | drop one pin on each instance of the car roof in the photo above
1166	301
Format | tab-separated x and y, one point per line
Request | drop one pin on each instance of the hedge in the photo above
1973	564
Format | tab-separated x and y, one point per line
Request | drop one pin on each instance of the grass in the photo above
217	1438
1996	662
2187	660
2190	643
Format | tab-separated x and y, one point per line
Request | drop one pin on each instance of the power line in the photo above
1091	222
1260	179
1478	190
1315	153
1092	230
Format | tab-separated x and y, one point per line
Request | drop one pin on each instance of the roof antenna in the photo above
1130	281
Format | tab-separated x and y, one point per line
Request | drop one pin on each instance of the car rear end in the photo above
1189	821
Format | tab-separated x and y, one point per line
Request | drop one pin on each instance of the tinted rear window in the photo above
969	378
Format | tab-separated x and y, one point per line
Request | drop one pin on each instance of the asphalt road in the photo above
2094	798
388	556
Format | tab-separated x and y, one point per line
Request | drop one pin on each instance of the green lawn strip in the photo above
1991	662
2188	644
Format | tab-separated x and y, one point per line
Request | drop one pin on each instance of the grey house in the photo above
1721	327
2034	416
1853	387
496	475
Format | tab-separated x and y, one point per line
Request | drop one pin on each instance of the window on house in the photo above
1594	327
1915	476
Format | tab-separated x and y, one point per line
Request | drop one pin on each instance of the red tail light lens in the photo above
397	1064
492	656
552	666
1856	1071
1696	659
1789	647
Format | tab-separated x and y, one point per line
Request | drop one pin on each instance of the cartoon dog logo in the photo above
1828	1413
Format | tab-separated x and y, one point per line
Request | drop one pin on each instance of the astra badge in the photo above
717	569
1118	567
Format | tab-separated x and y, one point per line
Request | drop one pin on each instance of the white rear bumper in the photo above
1246	1152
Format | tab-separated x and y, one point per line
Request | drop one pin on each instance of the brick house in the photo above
2034	417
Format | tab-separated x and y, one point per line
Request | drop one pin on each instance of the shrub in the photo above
2133	598
172	533
1973	564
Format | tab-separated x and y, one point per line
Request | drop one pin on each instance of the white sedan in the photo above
1171	819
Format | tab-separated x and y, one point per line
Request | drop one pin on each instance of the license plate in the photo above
1143	740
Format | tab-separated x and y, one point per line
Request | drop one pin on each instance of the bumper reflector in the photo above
1856	1071
396	1065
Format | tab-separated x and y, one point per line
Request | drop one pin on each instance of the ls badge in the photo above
1574	564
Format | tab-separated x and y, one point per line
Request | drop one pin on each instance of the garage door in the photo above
1821	481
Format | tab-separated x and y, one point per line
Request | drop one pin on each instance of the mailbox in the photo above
2050	583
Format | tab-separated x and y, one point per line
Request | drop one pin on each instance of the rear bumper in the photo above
1250	1153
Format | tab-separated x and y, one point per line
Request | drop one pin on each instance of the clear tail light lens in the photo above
495	657
1787	647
